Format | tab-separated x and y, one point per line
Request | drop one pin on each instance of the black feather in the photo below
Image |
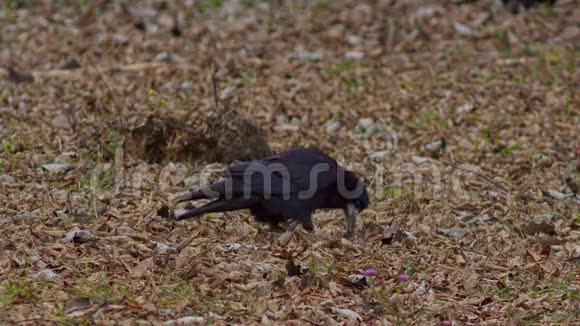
286	187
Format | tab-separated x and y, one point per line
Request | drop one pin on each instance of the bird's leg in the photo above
309	236
350	213
290	230
307	224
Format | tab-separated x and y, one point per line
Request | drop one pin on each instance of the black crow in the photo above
285	188
516	5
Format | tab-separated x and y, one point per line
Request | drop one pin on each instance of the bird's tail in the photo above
220	205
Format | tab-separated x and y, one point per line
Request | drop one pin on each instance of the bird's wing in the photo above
289	172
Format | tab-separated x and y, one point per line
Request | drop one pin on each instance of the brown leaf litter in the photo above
461	116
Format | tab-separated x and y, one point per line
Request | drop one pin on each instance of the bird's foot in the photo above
289	225
275	227
309	236
291	231
349	235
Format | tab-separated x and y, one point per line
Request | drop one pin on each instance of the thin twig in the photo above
119	171
215	91
477	174
117	106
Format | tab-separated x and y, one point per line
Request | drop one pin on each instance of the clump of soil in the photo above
237	137
225	136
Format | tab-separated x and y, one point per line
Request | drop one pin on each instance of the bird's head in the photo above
356	191
362	202
356	199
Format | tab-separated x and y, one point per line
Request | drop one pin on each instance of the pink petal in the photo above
404	278
370	272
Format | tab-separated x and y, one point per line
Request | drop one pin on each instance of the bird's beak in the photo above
351	213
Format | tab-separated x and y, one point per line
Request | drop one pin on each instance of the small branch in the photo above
117	106
20	218
71	117
215	91
119	160
479	175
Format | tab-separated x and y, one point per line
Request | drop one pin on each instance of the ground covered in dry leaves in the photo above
462	117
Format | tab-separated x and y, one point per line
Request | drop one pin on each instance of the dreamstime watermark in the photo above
430	179
426	178
276	179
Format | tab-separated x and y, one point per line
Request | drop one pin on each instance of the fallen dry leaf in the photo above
535	228
459	116
143	267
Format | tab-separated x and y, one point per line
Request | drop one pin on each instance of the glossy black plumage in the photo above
288	187
516	5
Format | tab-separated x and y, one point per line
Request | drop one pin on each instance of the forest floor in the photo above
462	117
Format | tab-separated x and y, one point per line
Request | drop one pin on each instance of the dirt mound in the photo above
225	136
